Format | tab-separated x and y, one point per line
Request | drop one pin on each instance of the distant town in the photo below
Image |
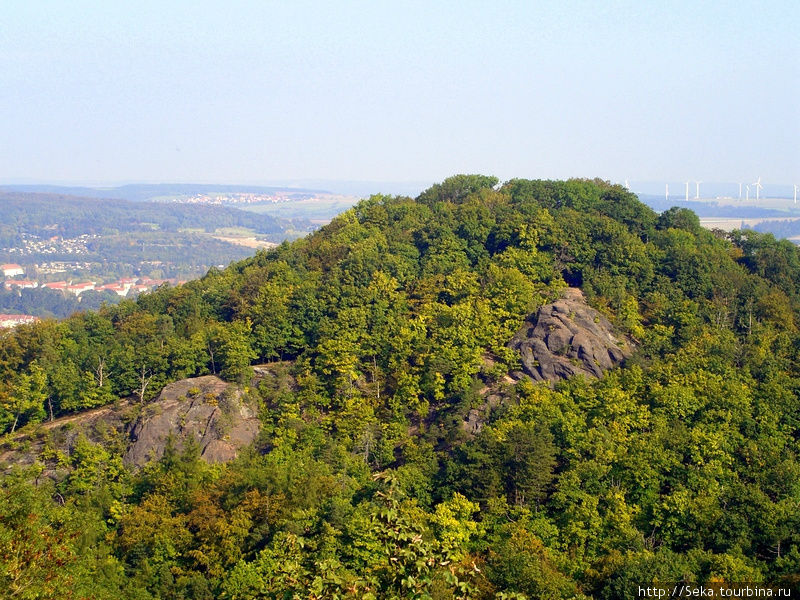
56	245
243	198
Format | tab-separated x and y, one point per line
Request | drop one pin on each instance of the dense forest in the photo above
789	228
388	326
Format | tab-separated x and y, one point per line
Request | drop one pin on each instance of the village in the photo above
243	198
55	245
125	287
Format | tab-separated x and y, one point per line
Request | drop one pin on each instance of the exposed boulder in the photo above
569	337
205	409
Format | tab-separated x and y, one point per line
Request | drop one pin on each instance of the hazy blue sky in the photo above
254	92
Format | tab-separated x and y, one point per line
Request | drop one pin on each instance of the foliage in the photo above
391	326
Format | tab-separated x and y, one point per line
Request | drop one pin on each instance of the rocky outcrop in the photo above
103	425
205	409
566	338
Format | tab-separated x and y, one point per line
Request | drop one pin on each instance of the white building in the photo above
119	290
11	270
21	284
79	288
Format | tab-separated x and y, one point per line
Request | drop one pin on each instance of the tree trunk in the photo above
211	354
375	379
144	381
100	371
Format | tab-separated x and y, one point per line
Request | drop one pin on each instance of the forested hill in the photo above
390	326
70	216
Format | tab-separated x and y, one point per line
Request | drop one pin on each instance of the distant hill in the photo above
111	238
142	192
69	216
710	209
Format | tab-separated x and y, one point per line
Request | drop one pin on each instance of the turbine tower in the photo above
740	191
748	194
666	193
795	192
759	187
697	190
627	186
687	191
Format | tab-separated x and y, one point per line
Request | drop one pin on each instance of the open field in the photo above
247	242
319	210
729	224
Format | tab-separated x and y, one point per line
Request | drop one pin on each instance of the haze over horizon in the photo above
258	93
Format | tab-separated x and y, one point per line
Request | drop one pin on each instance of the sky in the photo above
264	92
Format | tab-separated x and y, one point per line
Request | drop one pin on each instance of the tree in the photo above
232	349
679	218
529	462
24	402
456	189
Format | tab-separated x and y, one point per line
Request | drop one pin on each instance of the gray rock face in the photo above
204	408
568	338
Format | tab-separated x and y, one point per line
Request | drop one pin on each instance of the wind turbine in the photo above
748	194
627	186
795	193
687	191
740	191
697	190
758	186
666	193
